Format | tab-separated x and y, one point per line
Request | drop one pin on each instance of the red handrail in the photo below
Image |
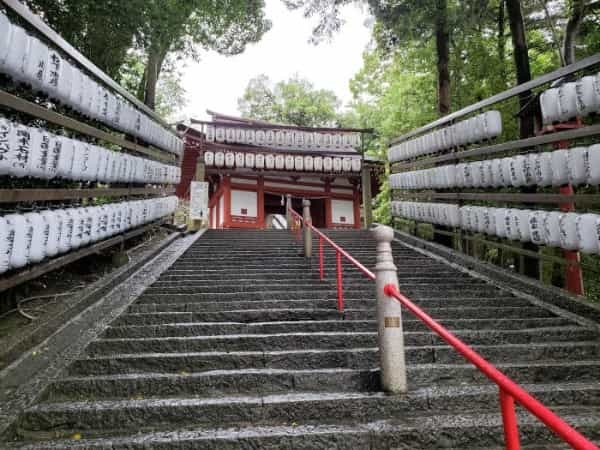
509	390
339	253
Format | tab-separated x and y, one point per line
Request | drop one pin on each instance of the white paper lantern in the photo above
7	140
476	174
38	153
66	234
588	100
588	233
568	231
239	160
17	51
26	139
289	162
34	65
6	232
54	221
560	172
22	232
327	164
337	164
550	107
537	234
542	170
5	37
552	228
279	162
518	170
356	164
567	101
347	164
578	165
497	173
500	220
249	161
318	163
229	159
78	228
270	161
308	163
299	163
86	236
594	164
259	161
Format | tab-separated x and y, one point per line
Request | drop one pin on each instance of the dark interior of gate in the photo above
279	316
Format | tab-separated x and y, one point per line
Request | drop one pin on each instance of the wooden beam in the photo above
34	195
56	263
519	144
586	199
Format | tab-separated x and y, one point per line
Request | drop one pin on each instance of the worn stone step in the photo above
319	408
270	381
186	295
200	306
294	276
220	328
328	340
296	314
355	358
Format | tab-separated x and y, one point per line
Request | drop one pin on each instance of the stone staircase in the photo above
239	346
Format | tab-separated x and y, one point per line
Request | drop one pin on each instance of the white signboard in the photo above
199	200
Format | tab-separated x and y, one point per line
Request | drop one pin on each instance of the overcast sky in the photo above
216	82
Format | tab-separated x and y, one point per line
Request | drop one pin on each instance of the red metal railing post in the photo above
321	262
340	287
509	421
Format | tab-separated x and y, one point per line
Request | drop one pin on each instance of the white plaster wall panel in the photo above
244	200
342	212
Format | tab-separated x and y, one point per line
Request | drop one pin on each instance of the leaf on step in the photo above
76	436
184	373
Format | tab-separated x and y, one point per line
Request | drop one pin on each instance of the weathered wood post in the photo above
306	231
389	316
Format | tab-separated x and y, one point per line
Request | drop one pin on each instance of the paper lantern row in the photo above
282	138
282	162
569	231
28	60
32	237
476	129
578	98
579	165
34	152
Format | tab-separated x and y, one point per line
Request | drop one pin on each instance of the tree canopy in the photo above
292	102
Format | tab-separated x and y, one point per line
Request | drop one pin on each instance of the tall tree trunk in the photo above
442	42
502	41
151	75
517	30
526	120
576	15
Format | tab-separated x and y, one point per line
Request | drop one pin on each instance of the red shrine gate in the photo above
252	167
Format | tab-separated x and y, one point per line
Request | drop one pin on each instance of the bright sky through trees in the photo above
218	81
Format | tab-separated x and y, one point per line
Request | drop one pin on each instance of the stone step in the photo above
292	277
296	314
124	416
354	358
220	328
271	381
324	303
187	295
310	285
328	340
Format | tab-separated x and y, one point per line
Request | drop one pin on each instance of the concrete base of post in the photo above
306	231
389	317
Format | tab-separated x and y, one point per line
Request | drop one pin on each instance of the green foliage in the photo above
292	102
